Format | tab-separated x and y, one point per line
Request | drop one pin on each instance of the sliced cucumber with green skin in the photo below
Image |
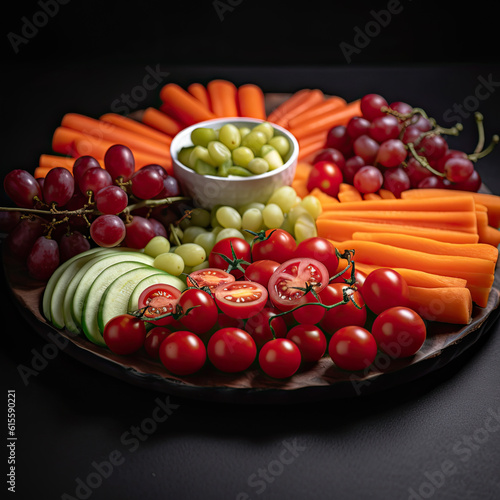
60	287
115	299
168	279
92	273
90	325
53	280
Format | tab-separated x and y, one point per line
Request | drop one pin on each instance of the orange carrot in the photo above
63	140
328	105
199	91
299	102
310	147
341	230
446	305
490	201
136	126
323	197
302	170
223	97
385	194
251	101
371	196
47	161
185	107
161	122
109	132
479	250
348	193
327	120
300	186
487	234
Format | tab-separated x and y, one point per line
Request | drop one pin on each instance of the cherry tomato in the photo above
359	278
384	288
261	270
200	311
183	353
326	176
345	314
235	250
210	278
288	283
280	358
320	249
159	299
309	313
241	299
154	338
124	334
399	331
259	326
352	348
231	350
273	244
224	321
310	340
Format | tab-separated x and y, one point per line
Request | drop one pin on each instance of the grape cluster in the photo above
65	213
397	147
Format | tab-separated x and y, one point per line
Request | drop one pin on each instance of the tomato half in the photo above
232	255
273	244
241	299
210	277
159	299
288	284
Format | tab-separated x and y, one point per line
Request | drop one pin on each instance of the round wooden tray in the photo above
322	380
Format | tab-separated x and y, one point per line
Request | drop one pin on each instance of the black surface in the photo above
438	437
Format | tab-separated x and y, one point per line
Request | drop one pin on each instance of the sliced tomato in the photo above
241	299
210	277
159	299
290	282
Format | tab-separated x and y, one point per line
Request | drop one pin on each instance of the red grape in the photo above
472	183
371	106
72	244
94	179
366	147
391	153
416	172
139	232
368	179
43	258
458	169
108	230
158	227
111	200
432	146
352	165
384	127
21	187
338	138
401	107
332	155
170	189
396	180
146	183
119	161
22	238
434	181
411	134
59	186
81	165
357	126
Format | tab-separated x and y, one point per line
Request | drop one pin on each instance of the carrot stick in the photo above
323	197
490	201
185	106
251	101
63	140
348	193
300	186
47	161
109	132
371	196
137	127
479	250
446	305
327	120
296	104
161	122
223	97
199	91
302	170
385	194
487	234
328	105
311	147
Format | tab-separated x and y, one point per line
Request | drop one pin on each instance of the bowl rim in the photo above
236	119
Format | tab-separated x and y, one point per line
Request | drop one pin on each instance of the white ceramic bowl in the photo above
209	190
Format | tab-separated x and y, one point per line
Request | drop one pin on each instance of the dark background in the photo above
381	446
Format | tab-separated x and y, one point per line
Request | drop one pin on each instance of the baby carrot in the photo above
328	105
223	97
251	101
160	121
299	102
199	91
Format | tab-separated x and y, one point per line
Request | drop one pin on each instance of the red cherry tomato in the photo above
154	338
200	311
259	326
320	249
352	348
183	353
345	277
159	299
231	350
384	288
326	176
309	313
235	250
280	358
261	270
210	278
288	283
124	334
310	340
399	331
273	244
241	299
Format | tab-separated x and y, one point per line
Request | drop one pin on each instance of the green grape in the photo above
206	240
254	140
191	253
230	136
295	212
201	136
229	232
244	131
199	217
204	168
285	197
305	227
218	152
265	127
258	166
192	269
213	216
281	144
239	171
191	232
272	156
176	235
184	156
253	204
272	216
200	153
228	217
156	246
170	262
252	219
312	205
242	156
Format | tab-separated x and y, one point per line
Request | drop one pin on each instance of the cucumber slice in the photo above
116	298
53	280
90	274
95	292
168	279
